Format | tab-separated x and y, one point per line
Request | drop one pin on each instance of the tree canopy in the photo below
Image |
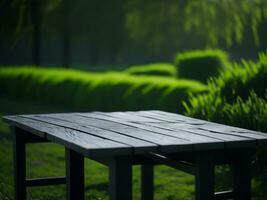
156	26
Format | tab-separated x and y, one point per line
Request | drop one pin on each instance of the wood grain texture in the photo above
209	127
84	143
128	133
166	143
230	140
25	125
119	139
92	128
199	142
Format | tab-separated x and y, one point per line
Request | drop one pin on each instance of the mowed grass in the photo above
48	160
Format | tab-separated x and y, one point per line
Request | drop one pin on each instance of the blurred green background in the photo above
206	59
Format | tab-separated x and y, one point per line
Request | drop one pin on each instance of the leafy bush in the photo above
238	97
157	69
201	64
236	82
250	113
96	91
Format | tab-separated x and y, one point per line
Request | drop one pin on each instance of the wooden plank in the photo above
176	164
120	178
74	175
19	155
204	176
147	182
152	115
166	143
215	126
224	195
24	124
231	141
103	116
172	116
242	176
130	117
107	117
182	135
36	182
79	141
200	142
138	145
225	128
260	137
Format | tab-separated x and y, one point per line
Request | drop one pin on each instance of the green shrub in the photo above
84	91
250	113
241	79
157	69
201	64
236	82
238	97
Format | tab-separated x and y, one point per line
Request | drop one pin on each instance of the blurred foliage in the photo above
232	93
15	15
84	91
238	97
159	26
157	69
201	64
225	19
250	113
195	23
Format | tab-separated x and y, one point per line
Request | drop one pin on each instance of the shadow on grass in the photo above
98	187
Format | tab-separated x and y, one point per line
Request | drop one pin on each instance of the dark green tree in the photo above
25	17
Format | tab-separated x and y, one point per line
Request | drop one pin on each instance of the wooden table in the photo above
122	139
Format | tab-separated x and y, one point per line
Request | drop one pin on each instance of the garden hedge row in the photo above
157	69
85	91
201	64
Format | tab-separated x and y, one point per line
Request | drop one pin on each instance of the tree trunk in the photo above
36	32
66	33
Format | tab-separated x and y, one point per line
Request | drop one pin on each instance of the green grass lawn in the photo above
48	160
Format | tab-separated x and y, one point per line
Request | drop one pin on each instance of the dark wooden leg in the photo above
19	164
74	175
120	179
204	177
147	181
242	177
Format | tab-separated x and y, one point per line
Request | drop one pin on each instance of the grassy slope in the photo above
48	160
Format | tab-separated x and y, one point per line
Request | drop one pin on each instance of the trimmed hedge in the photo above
85	91
232	87
201	64
157	69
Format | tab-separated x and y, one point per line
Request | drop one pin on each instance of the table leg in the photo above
242	177
74	175
19	164
204	177
147	181
120	179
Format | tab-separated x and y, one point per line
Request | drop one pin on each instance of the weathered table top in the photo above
127	133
